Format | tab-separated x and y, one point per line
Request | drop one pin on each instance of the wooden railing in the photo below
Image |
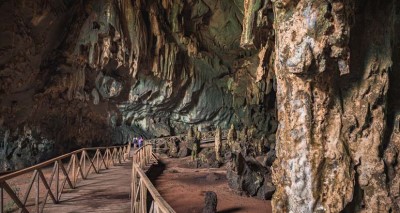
141	186
74	165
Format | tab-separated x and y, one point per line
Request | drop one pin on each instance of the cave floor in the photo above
184	188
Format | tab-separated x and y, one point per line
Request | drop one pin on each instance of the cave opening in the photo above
294	104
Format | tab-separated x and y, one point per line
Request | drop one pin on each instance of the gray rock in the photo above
108	87
211	202
249	177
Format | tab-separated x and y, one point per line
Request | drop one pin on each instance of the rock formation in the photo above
96	72
332	64
218	144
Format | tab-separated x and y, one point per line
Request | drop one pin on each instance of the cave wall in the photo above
96	72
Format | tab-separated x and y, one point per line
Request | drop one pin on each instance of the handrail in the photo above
79	164
141	184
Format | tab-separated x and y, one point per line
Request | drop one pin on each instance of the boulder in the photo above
211	202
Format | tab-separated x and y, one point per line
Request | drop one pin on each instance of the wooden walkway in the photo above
100	179
104	192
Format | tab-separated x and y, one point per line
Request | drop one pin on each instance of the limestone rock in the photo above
211	202
318	79
327	146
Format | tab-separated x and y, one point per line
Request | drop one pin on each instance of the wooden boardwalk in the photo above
104	192
98	179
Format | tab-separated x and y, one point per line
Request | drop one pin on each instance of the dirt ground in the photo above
184	189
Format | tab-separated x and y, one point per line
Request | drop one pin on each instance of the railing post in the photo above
1	199
145	155
142	158
84	163
150	149
133	188
81	166
37	193
143	191
107	158
57	180
120	155
97	160
74	170
129	150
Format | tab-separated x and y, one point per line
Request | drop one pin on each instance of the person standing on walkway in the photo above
134	141
140	142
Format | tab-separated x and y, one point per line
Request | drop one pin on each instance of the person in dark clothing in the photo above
140	142
134	141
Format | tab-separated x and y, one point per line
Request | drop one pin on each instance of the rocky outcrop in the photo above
247	176
331	96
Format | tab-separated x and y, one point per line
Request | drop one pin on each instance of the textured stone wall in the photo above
86	73
332	64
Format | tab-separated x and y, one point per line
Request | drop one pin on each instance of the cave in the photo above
302	96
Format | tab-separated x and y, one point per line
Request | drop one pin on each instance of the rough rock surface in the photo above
95	72
332	64
211	202
86	73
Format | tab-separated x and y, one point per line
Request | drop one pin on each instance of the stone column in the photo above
331	120
311	172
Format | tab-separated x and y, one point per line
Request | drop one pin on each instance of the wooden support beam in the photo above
67	179
47	186
91	165
37	194
28	190
57	180
13	196
1	199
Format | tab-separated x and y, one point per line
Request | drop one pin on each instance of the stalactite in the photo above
250	9
136	32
